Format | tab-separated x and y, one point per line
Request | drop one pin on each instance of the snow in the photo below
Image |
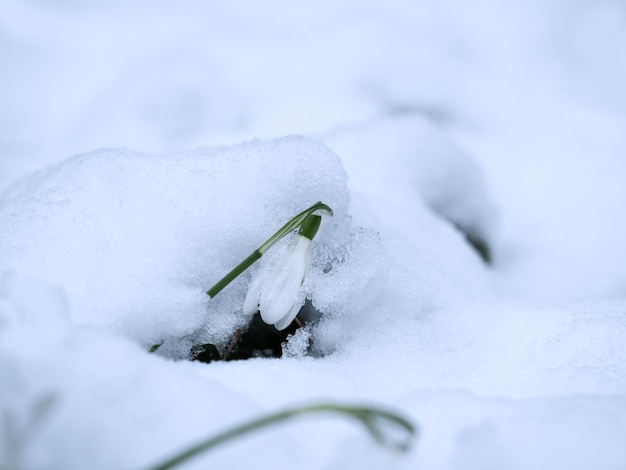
148	148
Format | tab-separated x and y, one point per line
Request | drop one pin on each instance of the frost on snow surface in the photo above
434	131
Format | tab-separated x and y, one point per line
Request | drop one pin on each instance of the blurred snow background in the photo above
503	119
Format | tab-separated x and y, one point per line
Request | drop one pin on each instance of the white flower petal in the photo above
287	319
279	296
251	303
275	289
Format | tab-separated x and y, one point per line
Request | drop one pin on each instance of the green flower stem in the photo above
375	420
290	226
241	267
293	224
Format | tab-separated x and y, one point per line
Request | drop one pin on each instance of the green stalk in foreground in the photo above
293	224
382	425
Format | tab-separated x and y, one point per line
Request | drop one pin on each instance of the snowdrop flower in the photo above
276	289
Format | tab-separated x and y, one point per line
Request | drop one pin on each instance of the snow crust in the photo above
419	124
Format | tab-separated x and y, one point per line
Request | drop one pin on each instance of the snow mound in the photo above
135	240
408	151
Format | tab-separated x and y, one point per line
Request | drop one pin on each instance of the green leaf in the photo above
388	429
154	347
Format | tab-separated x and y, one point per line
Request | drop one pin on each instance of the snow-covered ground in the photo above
148	147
